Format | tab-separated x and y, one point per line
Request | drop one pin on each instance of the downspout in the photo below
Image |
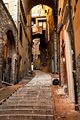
55	38
59	28
73	55
57	2
58	41
58	38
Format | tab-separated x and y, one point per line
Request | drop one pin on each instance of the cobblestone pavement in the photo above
31	102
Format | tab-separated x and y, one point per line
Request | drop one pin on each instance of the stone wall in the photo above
76	25
23	58
78	78
66	64
7	24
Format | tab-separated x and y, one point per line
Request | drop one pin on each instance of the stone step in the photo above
28	92
26	95
18	98
29	98
26	117
34	91
33	96
30	105
21	101
26	111
31	102
25	106
28	101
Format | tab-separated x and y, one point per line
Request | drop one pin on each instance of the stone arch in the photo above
37	35
42	38
39	4
10	39
42	48
9	64
36	53
29	4
10	27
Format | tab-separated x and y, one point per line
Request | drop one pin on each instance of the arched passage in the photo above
39	41
50	26
9	66
42	27
37	35
36	53
29	4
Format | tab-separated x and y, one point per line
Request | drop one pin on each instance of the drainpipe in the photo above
52	56
59	28
73	56
58	46
59	70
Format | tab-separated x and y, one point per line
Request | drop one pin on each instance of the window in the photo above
7	5
75	8
76	1
21	33
59	11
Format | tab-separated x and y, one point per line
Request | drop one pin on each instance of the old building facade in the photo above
76	25
51	25
42	28
8	43
25	23
68	31
23	42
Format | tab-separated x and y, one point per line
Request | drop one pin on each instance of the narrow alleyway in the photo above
32	102
39	60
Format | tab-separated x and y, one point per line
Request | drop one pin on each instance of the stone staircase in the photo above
32	102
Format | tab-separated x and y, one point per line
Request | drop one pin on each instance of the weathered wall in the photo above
30	3
65	49
6	24
23	59
76	25
62	60
52	42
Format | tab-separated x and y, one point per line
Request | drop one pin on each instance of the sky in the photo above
12	6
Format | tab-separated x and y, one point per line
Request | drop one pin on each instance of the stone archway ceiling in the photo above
37	35
29	4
